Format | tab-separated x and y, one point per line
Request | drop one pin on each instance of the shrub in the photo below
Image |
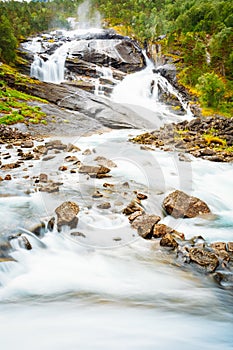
212	89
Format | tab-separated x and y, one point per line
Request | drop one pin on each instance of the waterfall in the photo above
51	70
143	89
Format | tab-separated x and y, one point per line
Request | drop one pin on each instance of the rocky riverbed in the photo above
22	153
210	138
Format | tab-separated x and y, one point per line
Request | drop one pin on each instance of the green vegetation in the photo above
15	105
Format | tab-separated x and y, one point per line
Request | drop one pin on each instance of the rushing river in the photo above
112	289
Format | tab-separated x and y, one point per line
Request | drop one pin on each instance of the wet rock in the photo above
122	54
67	215
8	177
41	150
24	243
161	230
1	179
72	148
179	204
78	234
219	246
105	205
91	169
168	241
39	229
63	168
50	188
141	196
27	144
133	216
51	224
71	159
132	207
168	71
10	166
207	260
105	162
9	134
107	185
47	158
27	156
230	247
224	279
87	152
4	258
144	225
43	178
55	144
97	194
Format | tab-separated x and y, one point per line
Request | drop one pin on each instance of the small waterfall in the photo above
105	75
52	70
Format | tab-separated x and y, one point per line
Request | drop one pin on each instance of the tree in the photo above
8	42
212	89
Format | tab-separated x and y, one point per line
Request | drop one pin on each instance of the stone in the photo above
97	194
179	204
50	188
27	144
133	216
87	152
144	225
132	207
43	178
8	177
51	224
55	144
230	247
162	229
72	148
107	185
63	168
105	162
224	279
41	150
38	229
168	241
105	205
204	258
78	234
71	159
219	246
141	196
10	166
91	169
24	243
67	215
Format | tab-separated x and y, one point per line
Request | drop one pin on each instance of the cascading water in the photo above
52	69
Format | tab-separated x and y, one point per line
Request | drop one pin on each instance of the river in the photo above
112	289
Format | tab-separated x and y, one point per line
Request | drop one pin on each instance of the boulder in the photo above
67	215
144	225
91	169
161	230
179	204
168	241
207	260
121	54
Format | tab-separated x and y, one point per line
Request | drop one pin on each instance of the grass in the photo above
14	106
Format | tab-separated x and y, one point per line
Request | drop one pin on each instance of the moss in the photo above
211	139
11	119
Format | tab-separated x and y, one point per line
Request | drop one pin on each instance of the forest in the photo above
196	34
